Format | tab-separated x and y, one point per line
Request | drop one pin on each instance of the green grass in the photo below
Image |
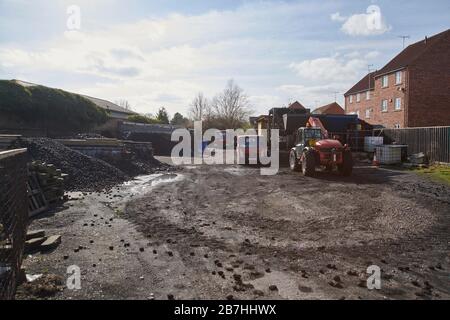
48	108
143	119
438	173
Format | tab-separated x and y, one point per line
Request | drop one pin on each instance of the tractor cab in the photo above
312	149
308	136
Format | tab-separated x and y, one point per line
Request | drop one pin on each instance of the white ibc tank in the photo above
371	142
389	154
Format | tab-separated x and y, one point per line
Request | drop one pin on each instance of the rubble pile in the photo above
84	173
50	179
80	172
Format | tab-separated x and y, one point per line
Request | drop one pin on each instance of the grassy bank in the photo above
438	173
47	108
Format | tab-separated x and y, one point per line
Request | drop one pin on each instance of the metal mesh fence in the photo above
13	218
434	142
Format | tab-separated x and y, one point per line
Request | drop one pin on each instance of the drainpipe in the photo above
406	92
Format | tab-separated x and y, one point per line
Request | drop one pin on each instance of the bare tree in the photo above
200	108
124	104
231	106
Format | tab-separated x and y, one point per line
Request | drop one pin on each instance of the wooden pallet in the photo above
36	199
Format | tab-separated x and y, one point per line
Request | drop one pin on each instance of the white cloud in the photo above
337	17
329	68
155	58
363	24
315	96
262	103
165	61
323	79
372	55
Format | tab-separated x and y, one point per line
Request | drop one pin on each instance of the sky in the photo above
161	53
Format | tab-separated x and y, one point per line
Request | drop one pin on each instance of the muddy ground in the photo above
218	232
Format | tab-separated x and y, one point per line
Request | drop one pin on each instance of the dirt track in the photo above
222	231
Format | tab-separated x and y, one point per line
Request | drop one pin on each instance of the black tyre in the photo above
293	161
308	164
346	167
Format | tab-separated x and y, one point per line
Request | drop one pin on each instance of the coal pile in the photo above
138	166
84	173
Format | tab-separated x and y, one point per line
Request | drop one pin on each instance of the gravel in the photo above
87	173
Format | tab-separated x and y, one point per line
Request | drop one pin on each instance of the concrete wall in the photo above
112	149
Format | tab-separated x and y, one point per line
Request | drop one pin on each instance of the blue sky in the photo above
161	53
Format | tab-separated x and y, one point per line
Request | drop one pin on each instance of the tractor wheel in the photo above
293	161
308	164
347	164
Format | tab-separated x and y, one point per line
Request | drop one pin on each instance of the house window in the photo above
385	81
367	113
398	77
384	106
351	98
367	95
397	126
398	103
358	97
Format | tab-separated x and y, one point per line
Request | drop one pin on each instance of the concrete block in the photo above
51	242
35	234
33	244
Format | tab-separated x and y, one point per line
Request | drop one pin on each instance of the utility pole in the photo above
404	39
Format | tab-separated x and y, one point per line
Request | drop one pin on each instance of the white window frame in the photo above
367	113
399	106
397	126
358	97
385	81
357	113
398	77
367	95
350	99
383	109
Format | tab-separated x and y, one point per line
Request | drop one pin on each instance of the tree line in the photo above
228	109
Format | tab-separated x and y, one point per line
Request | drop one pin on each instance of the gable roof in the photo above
108	105
400	61
296	105
411	53
104	104
332	108
366	83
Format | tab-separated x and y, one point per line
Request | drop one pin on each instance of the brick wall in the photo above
389	118
360	107
424	92
429	93
13	218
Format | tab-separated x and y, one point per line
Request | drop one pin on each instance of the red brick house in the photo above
332	108
296	106
412	90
